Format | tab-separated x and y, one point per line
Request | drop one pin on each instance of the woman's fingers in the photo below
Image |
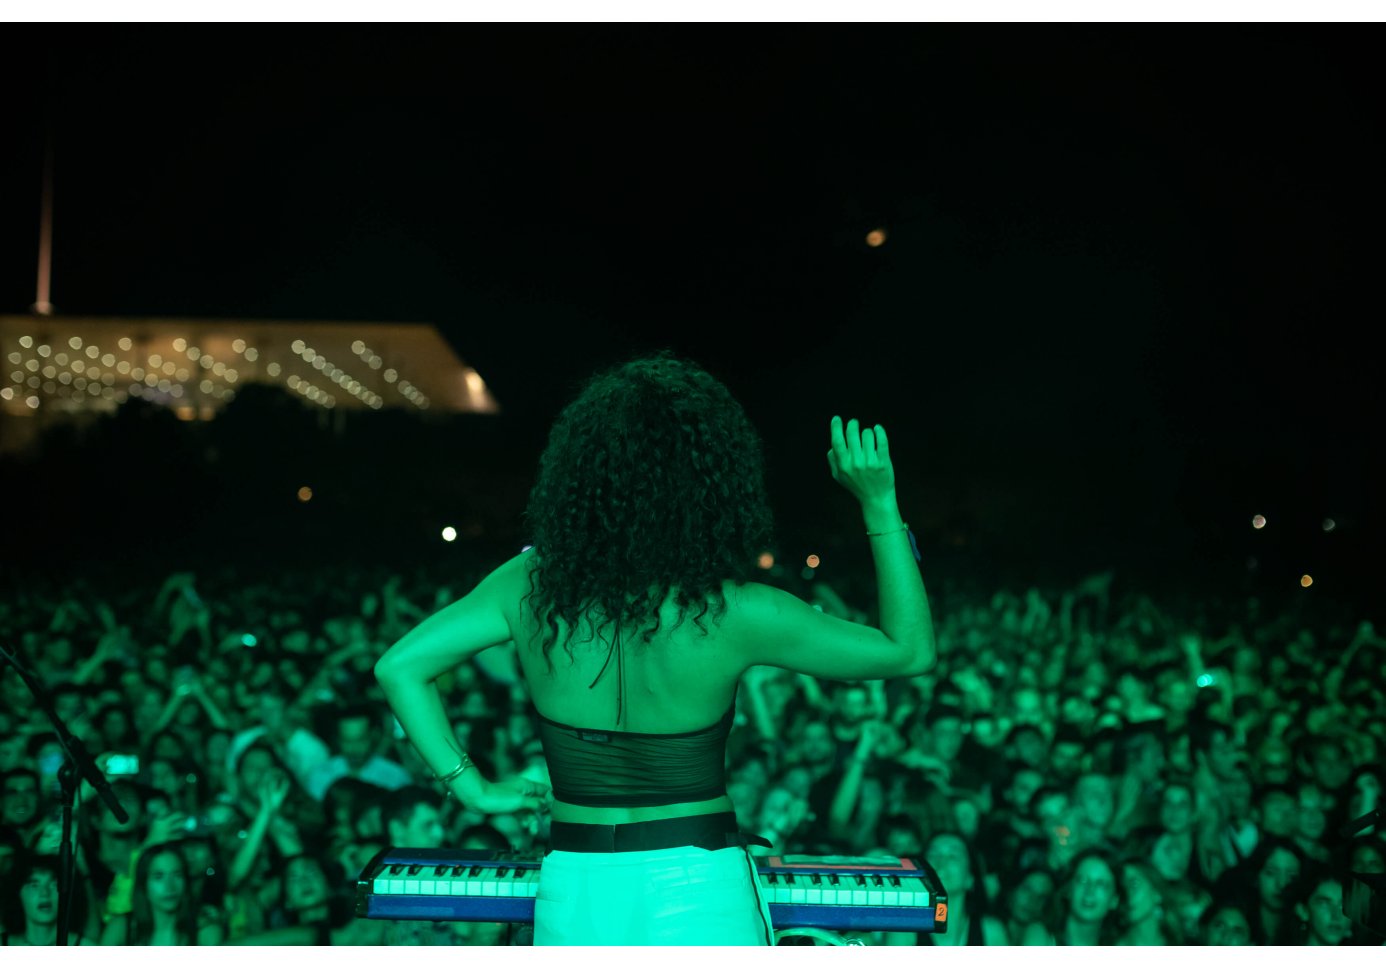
854	441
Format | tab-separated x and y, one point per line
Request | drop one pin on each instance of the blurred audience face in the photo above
1279	813
1323	912
1142	897
781	812
1227	927
1094	890
1065	760
1028	898
1029	747
1145	759
356	741
39	898
1092	796
1368	857
1274	762
252	769
1276	874
21	800
852	705
817	743
305	884
1312	816
946	738
1176	809
947	855
1224	758
423	829
168	882
1027	706
1171	855
1329	764
1024	783
12	753
902	842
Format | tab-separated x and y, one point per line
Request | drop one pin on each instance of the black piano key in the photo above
818	878
834	880
440	872
414	869
774	878
861	880
876	879
458	870
894	881
396	868
789	878
476	871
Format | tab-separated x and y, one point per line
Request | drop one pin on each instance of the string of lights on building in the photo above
70	366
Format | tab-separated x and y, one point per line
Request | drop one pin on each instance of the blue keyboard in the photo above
837	893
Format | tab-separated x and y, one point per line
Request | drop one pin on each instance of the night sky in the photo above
1128	296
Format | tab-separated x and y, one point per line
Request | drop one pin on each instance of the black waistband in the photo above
710	831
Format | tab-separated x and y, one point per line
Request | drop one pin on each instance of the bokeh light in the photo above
812	561
1258	522
1305	581
1329	524
766	561
305	494
876	238
449	534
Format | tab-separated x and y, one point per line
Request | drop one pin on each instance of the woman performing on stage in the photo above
634	616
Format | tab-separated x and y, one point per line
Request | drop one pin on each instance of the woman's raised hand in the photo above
860	460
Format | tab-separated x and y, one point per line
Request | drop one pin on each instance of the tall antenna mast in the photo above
42	305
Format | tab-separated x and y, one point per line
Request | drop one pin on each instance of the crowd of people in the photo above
1083	765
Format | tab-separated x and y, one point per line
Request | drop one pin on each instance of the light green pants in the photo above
674	896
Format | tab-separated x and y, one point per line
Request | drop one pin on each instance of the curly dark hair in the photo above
653	478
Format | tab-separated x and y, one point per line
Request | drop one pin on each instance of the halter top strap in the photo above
620	670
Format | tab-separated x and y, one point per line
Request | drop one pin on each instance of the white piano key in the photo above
874	898
858	897
815	895
426	886
798	895
488	888
411	886
475	887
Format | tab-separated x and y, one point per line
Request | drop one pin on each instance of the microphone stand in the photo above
79	766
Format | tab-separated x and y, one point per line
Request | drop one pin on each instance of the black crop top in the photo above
614	768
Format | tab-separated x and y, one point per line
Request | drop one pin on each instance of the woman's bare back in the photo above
682	680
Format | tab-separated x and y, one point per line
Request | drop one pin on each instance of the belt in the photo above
710	831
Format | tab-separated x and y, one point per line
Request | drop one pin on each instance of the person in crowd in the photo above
29	904
1315	900
1088	907
1224	924
1151	916
1259	885
412	818
19	799
358	736
164	907
969	922
1026	892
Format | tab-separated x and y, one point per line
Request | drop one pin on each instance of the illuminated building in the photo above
58	368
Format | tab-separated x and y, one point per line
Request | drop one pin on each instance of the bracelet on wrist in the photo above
456	771
914	545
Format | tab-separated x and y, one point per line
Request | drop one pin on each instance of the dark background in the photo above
1127	299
